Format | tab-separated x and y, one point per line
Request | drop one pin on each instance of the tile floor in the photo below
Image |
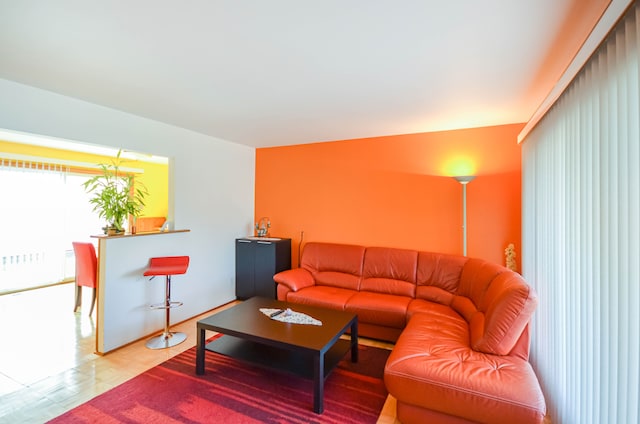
47	364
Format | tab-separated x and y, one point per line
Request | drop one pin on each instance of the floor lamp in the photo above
464	180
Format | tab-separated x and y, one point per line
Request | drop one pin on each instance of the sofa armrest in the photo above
295	279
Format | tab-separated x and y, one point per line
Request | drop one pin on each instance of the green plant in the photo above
115	194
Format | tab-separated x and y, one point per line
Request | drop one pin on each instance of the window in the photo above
43	208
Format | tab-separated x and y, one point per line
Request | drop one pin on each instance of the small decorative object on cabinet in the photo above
262	227
258	259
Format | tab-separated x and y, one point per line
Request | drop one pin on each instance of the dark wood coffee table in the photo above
310	351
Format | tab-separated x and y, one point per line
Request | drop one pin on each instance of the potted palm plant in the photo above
116	195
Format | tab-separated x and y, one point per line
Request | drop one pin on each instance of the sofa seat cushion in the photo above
433	367
323	296
440	312
378	308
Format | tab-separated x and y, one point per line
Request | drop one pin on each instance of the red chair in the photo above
167	266
86	271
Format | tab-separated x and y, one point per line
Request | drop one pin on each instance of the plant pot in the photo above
112	231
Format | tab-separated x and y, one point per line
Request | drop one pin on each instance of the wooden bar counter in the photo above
124	294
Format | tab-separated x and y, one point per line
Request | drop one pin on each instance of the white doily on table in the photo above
290	316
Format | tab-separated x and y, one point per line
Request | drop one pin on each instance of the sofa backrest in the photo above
496	302
390	271
337	265
438	276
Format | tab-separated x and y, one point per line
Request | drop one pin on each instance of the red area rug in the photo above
231	391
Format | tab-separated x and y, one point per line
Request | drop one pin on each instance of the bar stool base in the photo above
166	340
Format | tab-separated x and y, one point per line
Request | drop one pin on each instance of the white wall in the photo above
211	180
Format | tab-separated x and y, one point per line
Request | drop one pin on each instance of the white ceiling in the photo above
278	72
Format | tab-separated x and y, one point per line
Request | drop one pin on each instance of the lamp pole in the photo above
464	180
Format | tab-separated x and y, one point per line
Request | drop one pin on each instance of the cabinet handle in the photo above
264	242
244	241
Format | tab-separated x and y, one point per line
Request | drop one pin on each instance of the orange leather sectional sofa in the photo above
460	327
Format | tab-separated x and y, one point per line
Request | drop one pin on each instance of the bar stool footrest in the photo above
164	306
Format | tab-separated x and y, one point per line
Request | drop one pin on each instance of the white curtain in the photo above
581	237
43	208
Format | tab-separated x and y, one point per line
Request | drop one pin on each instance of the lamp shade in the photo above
464	179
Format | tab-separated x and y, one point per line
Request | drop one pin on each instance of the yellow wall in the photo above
155	176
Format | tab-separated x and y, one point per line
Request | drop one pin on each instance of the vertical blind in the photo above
581	237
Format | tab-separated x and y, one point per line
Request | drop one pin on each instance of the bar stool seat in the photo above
167	266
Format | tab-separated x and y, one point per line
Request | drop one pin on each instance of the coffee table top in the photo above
245	320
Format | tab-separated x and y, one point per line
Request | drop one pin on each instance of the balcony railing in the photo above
34	268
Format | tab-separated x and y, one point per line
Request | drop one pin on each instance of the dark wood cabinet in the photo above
257	261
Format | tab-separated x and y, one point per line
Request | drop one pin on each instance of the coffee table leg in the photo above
318	382
200	351
354	341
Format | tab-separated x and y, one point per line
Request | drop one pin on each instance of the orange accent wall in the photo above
397	191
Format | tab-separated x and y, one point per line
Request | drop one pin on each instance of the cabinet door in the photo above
245	264
265	269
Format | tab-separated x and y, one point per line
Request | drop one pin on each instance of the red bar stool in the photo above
167	266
